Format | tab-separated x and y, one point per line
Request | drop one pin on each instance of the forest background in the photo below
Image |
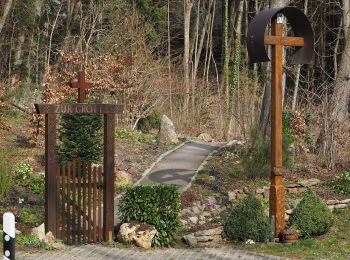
184	58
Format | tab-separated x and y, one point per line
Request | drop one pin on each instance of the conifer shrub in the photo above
157	205
80	136
311	216
247	220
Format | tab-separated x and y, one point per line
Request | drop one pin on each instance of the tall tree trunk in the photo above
188	4
7	7
297	77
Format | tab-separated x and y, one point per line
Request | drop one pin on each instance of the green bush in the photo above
5	178
32	216
23	172
341	184
157	205
247	220
311	216
152	121
80	137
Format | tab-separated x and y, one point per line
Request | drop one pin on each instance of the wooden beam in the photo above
78	109
283	40
109	177
50	175
277	192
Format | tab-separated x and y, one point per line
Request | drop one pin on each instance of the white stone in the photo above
347	201
167	133
190	240
341	206
145	237
231	196
289	211
205	138
332	202
123	177
209	232
127	232
194	219
39	232
49	238
260	191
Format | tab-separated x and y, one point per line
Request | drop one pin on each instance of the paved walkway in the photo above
180	166
102	253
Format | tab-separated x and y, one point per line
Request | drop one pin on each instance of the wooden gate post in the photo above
109	175
50	174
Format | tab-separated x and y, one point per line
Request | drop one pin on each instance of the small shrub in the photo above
188	197
5	178
37	184
152	121
23	172
32	216
157	205
247	220
311	216
124	133
341	184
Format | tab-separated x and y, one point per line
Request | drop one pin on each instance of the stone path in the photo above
180	166
100	252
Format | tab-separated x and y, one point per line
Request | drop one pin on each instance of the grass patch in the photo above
333	245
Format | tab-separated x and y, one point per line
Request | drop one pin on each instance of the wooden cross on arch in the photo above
256	41
82	86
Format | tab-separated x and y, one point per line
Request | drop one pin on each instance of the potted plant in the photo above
289	235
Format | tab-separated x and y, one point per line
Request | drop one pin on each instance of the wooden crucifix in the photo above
82	86
256	41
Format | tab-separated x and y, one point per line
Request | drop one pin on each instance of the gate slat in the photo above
100	203
74	203
94	203
84	201
89	202
58	205
69	224
79	200
64	192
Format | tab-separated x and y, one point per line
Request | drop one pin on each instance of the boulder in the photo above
205	138
167	132
347	201
39	232
141	234
190	240
49	238
144	236
204	238
341	206
123	177
127	232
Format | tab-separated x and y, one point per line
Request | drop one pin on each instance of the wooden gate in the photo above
79	203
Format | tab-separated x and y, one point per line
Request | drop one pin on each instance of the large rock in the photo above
123	177
205	138
39	232
127	232
209	232
190	240
144	236
141	234
167	132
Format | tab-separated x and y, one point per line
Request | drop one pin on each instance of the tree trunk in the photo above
7	7
186	62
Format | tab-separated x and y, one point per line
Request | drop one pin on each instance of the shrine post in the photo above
256	41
